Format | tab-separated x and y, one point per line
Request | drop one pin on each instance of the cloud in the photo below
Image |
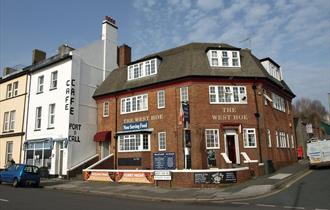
209	4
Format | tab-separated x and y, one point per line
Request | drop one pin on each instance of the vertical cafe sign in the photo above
70	103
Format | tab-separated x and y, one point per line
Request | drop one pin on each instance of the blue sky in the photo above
296	34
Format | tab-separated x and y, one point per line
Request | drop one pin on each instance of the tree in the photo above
310	111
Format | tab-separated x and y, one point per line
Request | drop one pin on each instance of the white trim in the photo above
104	108
158	99
232	132
247	158
83	162
159	133
100	161
218	138
173	171
225	157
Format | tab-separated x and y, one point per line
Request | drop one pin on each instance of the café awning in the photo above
102	136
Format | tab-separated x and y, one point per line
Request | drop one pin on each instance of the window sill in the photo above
8	131
37	129
134	151
212	147
105	116
52	88
161	107
39	92
50	128
247	147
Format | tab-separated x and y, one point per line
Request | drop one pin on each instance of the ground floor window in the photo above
134	142
212	138
269	138
9	151
38	154
249	137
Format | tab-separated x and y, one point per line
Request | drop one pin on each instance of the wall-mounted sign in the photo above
164	161
135	177
309	128
163	175
135	126
136	161
215	177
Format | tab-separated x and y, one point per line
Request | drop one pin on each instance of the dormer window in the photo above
142	69
272	68
223	58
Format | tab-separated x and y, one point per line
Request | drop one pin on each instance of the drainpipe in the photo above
25	98
257	115
116	120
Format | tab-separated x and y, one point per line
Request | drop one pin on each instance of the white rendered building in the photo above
61	113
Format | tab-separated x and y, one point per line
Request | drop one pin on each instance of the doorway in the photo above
105	149
232	146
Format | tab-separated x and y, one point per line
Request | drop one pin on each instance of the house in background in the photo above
61	114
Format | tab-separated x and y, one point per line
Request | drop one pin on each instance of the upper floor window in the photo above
9	90
184	94
269	138
53	80
9	121
142	69
161	141
51	116
12	120
292	141
224	58
277	139
212	138
106	109
227	95
40	87
249	138
161	99
278	102
38	118
134	104
6	121
283	141
134	142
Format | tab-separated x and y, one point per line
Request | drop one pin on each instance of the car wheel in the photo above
15	182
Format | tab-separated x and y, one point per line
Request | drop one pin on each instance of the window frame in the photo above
15	88
40	85
12	117
51	115
37	118
162	141
269	138
9	92
142	69
221	97
141	104
184	94
217	57
6	121
127	140
106	110
52	80
246	143
161	99
7	153
278	102
216	138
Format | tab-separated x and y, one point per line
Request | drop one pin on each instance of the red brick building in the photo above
205	105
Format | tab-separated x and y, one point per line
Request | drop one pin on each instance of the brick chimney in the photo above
8	70
37	56
64	49
124	55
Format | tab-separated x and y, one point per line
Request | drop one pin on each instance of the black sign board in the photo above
215	177
164	161
136	161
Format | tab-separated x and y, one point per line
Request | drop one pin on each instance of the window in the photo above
142	69
249	138
212	138
38	118
51	116
9	151
287	141
106	109
227	95
12	121
15	88
161	99
224	58
53	80
184	94
161	141
9	90
278	102
292	142
277	140
40	87
134	142
134	104
283	141
269	138
6	121
39	153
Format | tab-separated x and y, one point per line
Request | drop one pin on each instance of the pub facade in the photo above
198	106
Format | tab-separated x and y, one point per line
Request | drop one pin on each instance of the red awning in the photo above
102	136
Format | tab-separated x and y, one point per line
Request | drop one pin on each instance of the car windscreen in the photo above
31	169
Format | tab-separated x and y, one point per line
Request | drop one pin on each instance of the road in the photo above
310	192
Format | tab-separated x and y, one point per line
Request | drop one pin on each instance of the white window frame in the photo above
51	115
161	141
9	90
277	139
53	81
278	102
38	118
106	109
212	140
142	69
9	153
216	58
15	88
161	99
12	120
269	138
6	121
131	141
40	86
246	133
287	141
140	102
184	94
292	142
230	93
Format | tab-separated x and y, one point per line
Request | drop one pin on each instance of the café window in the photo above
38	153
249	138
212	138
134	142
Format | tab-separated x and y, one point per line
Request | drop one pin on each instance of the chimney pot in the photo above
37	56
124	55
8	70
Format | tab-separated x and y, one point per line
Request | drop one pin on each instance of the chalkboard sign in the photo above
215	177
136	161
164	161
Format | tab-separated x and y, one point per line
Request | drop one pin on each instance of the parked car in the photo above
20	175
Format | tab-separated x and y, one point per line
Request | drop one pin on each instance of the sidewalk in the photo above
252	188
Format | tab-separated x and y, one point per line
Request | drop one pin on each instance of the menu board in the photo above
215	177
164	161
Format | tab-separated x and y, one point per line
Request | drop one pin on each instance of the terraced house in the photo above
206	105
13	100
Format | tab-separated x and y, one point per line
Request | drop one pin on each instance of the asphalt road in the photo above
310	192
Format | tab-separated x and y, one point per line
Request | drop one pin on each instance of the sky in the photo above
296	34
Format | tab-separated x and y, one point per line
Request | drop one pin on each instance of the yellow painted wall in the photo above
16	149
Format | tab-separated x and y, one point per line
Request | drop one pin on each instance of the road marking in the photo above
321	209
239	203
4	200
280	176
266	205
293	207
